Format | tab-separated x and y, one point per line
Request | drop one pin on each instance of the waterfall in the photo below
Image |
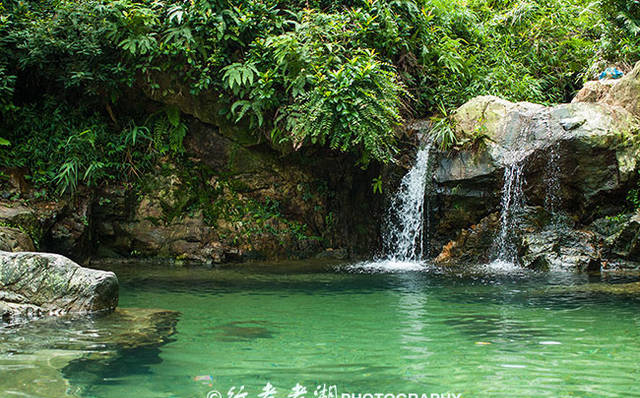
404	228
552	181
552	174
505	251
405	233
512	203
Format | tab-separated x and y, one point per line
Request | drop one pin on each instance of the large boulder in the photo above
591	137
581	157
34	284
623	93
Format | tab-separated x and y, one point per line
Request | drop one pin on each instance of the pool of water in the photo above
360	329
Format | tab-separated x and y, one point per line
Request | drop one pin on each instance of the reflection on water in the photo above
478	334
413	337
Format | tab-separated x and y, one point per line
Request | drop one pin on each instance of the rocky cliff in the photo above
578	163
233	196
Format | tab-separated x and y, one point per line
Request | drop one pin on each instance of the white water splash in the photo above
405	232
502	267
385	266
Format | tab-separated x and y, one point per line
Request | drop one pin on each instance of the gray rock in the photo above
596	161
621	236
14	240
560	248
32	284
592	136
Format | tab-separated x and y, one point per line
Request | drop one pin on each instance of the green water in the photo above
481	335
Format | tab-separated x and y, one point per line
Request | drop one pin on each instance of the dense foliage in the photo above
341	74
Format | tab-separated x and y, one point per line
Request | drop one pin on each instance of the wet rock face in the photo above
590	138
552	248
71	232
620	236
580	154
472	245
14	240
542	243
233	203
214	220
34	284
226	202
54	226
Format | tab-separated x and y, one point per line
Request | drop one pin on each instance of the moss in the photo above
219	197
29	226
241	160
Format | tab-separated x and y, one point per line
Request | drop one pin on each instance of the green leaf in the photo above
173	115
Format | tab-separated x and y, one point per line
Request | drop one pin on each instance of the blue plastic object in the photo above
611	73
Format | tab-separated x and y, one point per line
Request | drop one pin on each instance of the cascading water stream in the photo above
405	232
404	228
505	252
552	171
512	202
552	181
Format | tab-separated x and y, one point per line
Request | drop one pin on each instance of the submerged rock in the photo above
625	289
33	284
244	331
59	357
